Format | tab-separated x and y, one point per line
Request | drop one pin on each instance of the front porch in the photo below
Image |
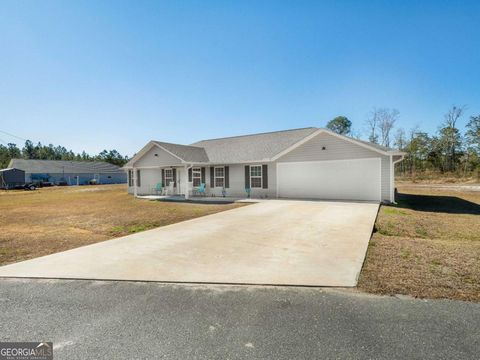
196	199
174	183
214	181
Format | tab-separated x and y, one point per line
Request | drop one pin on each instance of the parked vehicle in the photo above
44	184
29	187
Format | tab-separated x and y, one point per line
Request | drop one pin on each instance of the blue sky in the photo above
115	74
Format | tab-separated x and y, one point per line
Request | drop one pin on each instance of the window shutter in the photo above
247	177
163	178
130	178
212	177
139	183
227	178
190	175
174	171
265	176
203	175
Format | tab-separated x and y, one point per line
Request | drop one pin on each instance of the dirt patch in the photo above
49	220
426	246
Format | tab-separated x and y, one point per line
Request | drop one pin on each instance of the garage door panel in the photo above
341	179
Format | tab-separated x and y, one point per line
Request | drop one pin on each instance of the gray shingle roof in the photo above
185	152
254	147
376	146
59	166
244	148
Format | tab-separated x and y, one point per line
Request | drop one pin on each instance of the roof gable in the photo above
186	153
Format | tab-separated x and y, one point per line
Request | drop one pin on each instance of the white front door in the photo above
358	179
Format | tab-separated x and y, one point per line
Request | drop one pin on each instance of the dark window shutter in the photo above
139	183
212	177
130	180
203	175
163	178
227	178
174	171
190	175
265	176
247	177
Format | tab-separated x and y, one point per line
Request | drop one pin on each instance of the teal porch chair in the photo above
202	189
158	188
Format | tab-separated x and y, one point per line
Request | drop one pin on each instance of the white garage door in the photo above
338	179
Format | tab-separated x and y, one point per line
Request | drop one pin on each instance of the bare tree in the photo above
450	135
400	140
452	116
387	119
381	120
372	123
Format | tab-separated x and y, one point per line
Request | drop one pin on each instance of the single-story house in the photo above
11	177
71	172
309	163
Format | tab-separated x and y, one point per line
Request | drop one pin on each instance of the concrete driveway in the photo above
281	242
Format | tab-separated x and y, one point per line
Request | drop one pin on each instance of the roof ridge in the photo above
262	133
169	143
68	161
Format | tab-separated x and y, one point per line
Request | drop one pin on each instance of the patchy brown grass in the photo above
436	177
42	222
426	246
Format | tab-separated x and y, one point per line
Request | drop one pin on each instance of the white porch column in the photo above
186	183
134	174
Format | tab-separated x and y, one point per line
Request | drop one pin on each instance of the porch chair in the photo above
158	188
201	189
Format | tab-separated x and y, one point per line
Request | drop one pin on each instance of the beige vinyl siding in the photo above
163	158
237	182
151	177
339	149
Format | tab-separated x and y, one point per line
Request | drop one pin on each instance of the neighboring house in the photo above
309	163
10	177
71	172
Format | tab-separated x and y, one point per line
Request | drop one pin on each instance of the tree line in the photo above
448	151
51	152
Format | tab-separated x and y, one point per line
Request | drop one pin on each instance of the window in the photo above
256	176
138	178
220	177
168	176
196	176
130	178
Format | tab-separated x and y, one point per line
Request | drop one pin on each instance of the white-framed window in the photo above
138	179
130	177
196	176
219	176
256	176
168	176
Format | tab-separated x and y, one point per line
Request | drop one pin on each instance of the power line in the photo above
15	136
